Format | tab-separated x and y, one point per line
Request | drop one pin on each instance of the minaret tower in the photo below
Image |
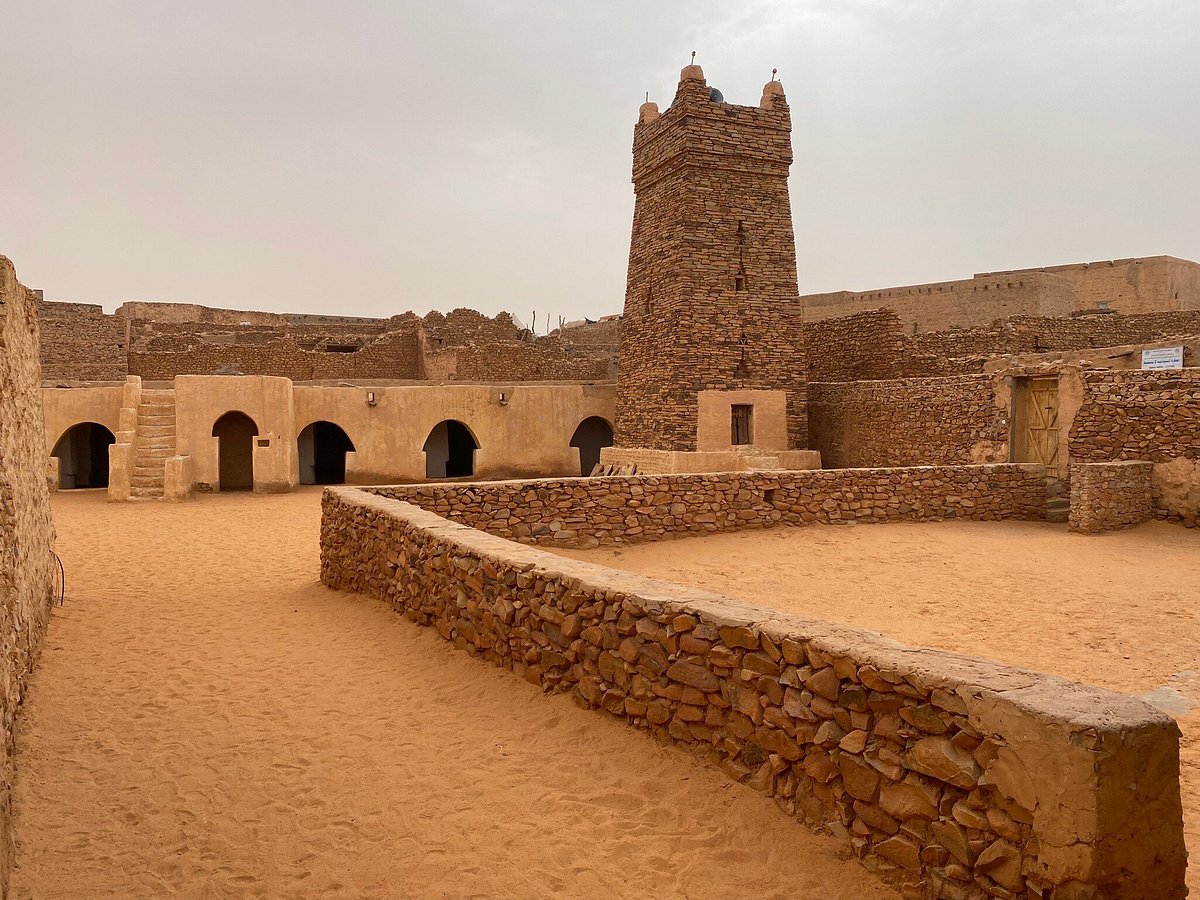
712	354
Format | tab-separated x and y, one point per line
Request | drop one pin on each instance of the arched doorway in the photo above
322	450
593	433
82	454
235	432
450	450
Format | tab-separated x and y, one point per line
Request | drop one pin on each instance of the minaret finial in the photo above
774	72
693	57
647	96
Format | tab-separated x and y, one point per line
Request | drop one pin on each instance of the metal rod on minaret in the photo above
774	72
693	57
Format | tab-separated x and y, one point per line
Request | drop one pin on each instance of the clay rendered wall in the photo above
908	422
529	434
951	304
1133	285
950	771
26	528
638	508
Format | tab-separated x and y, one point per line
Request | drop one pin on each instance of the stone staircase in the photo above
1058	507
153	445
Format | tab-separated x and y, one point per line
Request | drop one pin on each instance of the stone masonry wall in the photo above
81	343
620	509
951	775
26	529
1107	496
907	422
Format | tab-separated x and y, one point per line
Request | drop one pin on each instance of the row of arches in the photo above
322	446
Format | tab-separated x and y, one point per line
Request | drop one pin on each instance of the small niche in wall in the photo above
264	442
769	495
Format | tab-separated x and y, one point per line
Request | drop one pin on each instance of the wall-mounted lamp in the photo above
371	401
503	398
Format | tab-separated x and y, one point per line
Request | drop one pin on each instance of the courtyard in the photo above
207	720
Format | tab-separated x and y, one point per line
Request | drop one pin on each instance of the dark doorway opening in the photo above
450	451
593	433
235	432
82	454
741	424
322	450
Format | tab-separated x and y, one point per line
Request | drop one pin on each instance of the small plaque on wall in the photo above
1163	358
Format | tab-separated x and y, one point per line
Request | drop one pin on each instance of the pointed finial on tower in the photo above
693	57
774	72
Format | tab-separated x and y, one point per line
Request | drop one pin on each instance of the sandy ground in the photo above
208	721
1120	610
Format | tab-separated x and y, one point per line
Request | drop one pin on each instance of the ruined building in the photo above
711	355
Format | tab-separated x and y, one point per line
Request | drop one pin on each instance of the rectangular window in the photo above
742	419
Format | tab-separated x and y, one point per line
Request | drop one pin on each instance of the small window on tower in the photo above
739	282
742	424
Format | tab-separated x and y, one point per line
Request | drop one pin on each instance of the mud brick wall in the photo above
711	296
26	529
907	422
1108	496
587	512
951	775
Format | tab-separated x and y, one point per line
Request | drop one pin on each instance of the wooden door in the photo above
1037	421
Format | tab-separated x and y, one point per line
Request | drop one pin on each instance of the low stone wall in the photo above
1107	496
950	774
592	511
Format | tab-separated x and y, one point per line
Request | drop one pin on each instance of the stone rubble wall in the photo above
616	509
26	528
1146	415
1108	496
957	777
80	343
907	422
872	344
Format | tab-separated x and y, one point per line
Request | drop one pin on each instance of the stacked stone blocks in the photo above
1108	496
627	509
957	777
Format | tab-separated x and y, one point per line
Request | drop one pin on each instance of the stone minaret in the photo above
712	319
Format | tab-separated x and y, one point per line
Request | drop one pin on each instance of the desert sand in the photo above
208	721
1120	610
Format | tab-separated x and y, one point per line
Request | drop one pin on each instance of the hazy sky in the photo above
368	158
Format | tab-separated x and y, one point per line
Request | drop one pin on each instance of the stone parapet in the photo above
955	776
619	509
1107	496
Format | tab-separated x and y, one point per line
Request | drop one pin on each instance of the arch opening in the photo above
322	448
235	432
450	450
593	433
82	454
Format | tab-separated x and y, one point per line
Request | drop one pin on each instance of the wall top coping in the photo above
982	682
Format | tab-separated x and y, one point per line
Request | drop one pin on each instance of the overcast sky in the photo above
367	158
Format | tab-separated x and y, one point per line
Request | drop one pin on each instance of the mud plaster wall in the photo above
946	773
909	422
26	528
621	509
